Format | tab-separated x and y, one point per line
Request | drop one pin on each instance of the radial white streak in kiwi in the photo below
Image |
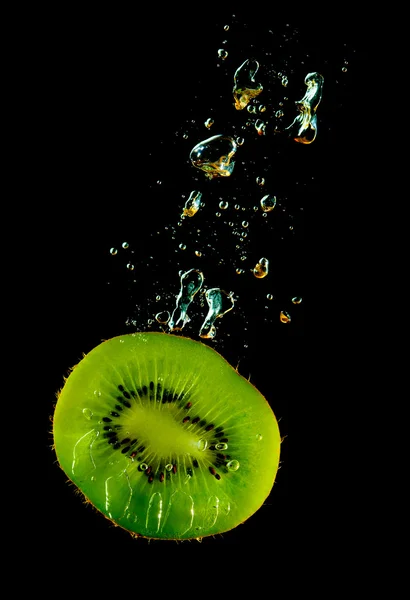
107	498
75	449
130	496
154	510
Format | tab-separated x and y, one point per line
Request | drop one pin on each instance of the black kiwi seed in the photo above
117	445
202	423
189	471
118	407
218	429
195	463
114	414
151	385
209	427
121	388
125	441
219	434
125	450
106	420
161	477
195	420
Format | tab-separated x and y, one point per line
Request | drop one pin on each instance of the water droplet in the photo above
125	245
279	114
259	437
232	465
130	267
268	203
251	109
182	246
113	251
261	269
168	467
262	108
87	413
239	271
297	300
285	81
284	317
240	141
260	181
223	204
214	156
221	446
209	122
202	444
222	53
97	393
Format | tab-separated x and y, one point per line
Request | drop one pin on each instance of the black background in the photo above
111	106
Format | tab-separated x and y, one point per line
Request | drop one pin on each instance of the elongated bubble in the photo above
191	282
304	127
192	204
219	303
245	87
214	156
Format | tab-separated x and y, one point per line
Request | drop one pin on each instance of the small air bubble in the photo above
221	446
259	437
125	245
297	300
222	53
130	267
223	204
198	253
240	141
182	246
269	296
232	465
143	466
87	413
226	27
97	393
162	317
245	224
168	467
113	251
202	444
260	180
218	214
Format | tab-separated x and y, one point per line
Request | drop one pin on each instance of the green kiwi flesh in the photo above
165	438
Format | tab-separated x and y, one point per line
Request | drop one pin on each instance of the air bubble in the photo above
261	269
209	122
269	296
259	437
87	413
182	246
232	465
113	251
221	446
226	27
268	203
130	267
125	245
162	317
297	300
284	317
143	466
168	467
222	53
260	180
198	253
202	444
245	224
97	393
223	204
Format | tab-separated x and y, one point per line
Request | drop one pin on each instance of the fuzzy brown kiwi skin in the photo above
86	500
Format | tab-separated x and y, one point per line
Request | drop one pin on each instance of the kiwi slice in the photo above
164	437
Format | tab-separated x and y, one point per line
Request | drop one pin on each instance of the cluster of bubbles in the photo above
216	157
